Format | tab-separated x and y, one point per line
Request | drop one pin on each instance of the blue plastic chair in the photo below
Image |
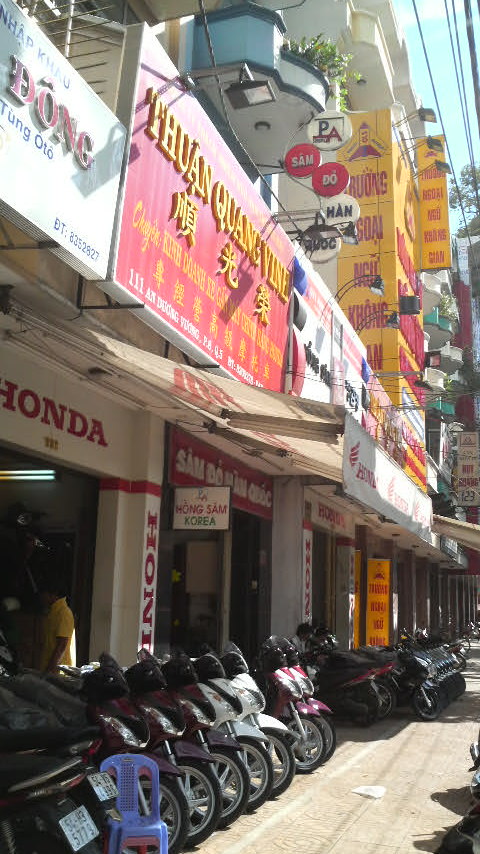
135	829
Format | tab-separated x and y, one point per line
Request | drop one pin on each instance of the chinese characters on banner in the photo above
378	602
468	470
197	244
434	223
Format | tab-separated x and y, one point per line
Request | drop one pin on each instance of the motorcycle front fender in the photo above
240	728
188	750
268	722
219	739
165	766
306	709
319	706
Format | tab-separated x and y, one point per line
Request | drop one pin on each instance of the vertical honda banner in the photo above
307	573
357	597
146	634
378	602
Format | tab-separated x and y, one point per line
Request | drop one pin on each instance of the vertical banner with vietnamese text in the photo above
358	601
378	602
434	223
307	573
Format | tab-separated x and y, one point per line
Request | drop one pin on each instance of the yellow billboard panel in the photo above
435	243
378	602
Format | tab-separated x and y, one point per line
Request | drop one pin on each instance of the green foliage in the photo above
468	195
324	55
448	307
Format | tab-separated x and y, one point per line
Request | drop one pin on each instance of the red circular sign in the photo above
302	160
330	179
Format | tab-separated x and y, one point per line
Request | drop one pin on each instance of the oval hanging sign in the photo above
330	179
341	208
302	160
330	130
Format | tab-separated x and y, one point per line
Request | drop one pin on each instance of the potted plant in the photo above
323	54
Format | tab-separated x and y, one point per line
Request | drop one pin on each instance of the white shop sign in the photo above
61	148
202	508
325	514
374	479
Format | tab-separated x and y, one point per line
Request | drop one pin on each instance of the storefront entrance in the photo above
46	525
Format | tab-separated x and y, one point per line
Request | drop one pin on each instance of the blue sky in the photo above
435	31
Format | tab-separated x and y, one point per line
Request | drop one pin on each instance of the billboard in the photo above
196	244
435	242
61	148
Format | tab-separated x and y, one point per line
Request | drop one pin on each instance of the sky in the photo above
433	19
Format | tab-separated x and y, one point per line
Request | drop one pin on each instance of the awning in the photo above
465	533
306	432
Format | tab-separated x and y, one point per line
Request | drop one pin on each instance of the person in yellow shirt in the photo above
59	628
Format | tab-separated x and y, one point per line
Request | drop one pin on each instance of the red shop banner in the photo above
197	245
194	463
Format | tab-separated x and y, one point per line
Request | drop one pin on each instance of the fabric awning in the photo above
465	533
308	433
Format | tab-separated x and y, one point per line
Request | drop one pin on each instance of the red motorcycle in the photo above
285	700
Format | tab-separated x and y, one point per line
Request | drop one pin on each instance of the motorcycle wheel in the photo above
234	783
461	660
429	708
329	736
204	798
309	752
283	761
174	811
259	766
466	642
388	699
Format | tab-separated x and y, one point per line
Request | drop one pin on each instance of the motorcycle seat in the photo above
45	738
29	771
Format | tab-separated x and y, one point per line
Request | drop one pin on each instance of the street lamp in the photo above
377	285
407	305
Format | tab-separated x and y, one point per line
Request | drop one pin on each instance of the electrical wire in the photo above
434	89
462	95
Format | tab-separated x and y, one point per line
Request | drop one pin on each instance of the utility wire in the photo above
434	89
463	96
473	57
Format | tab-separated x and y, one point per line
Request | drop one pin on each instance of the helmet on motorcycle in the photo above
145	676
234	664
208	666
106	682
179	671
292	656
272	655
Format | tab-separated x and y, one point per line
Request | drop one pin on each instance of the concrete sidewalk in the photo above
423	767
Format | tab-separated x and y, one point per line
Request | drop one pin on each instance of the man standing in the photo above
59	628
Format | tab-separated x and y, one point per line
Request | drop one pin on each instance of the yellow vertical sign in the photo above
357	606
434	223
378	602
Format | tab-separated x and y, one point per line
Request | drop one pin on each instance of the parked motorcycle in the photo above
346	682
280	739
285	701
192	734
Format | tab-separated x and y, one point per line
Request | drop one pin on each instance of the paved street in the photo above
423	767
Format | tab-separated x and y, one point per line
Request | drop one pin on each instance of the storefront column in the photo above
422	593
126	555
287	546
345	592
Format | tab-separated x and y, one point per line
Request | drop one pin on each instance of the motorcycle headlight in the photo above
254	698
162	720
123	731
289	684
197	712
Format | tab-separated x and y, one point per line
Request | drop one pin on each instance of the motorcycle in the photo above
194	685
279	738
346	682
285	701
192	735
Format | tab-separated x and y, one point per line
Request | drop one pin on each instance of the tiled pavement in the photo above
423	767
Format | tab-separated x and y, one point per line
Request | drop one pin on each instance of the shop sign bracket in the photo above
109	304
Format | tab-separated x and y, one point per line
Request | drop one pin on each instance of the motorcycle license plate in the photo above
79	828
103	786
